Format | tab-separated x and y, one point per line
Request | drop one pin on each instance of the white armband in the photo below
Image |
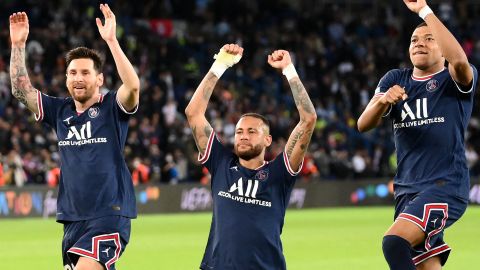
290	72
224	60
424	12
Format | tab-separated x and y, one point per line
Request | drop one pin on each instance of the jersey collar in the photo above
427	77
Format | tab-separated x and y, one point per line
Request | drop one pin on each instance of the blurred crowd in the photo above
340	49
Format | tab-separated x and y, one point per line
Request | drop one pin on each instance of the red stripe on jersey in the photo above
39	107
426	78
289	168
207	150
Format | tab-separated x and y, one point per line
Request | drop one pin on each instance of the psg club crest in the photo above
93	112
432	85
261	175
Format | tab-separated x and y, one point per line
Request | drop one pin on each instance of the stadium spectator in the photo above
2	177
340	58
53	177
140	173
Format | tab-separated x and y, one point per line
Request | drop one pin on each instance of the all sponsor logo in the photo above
418	116
80	136
245	193
421	110
84	133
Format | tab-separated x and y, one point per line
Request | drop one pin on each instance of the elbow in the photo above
364	127
135	88
310	120
460	63
361	125
189	113
361	128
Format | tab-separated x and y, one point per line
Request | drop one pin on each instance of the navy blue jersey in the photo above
429	130
94	179
248	211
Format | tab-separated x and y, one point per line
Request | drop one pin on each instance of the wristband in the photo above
290	72
224	60
424	12
218	68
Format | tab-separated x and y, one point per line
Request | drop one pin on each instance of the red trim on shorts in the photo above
427	208
95	254
422	223
431	253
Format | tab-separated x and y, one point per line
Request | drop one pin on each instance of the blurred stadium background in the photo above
341	49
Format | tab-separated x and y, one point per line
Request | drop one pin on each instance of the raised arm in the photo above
129	92
299	139
458	65
229	55
22	88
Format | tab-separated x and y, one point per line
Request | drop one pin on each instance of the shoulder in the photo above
398	73
51	101
281	164
392	77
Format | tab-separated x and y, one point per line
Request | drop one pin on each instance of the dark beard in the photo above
82	99
250	154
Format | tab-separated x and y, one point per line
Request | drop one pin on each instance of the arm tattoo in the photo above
207	130
197	137
21	85
302	100
194	131
210	82
298	134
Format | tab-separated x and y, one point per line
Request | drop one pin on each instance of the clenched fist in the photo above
393	95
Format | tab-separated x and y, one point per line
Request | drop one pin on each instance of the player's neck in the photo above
253	163
427	72
81	107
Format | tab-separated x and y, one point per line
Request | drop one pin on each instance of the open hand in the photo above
19	28
107	30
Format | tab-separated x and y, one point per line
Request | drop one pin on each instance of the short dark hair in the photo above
82	53
259	116
422	24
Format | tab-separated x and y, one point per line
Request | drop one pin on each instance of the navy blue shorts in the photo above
432	210
102	239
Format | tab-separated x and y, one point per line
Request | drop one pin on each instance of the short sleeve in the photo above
214	153
48	107
471	89
388	80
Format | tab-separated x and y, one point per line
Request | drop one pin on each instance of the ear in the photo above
99	79
268	140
